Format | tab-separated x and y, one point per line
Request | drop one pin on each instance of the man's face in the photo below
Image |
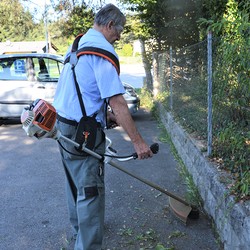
114	33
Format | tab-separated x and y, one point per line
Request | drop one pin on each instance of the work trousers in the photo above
85	190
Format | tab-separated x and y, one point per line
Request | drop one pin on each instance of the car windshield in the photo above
30	68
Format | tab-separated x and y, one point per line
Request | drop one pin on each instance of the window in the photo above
12	69
47	69
31	69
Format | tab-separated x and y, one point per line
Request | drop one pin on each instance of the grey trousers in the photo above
85	190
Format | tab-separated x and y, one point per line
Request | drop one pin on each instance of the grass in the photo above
192	195
190	105
130	59
230	142
147	239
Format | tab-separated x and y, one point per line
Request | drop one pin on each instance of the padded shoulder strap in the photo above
94	51
76	42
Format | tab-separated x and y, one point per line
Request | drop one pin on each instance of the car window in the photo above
47	70
32	69
12	69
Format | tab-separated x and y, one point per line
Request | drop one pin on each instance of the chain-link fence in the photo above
183	81
180	77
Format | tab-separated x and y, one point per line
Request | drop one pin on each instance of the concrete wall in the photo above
232	220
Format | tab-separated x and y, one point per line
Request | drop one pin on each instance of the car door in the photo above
16	89
47	74
25	79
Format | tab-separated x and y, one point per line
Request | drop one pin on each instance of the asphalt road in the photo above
34	210
33	205
132	74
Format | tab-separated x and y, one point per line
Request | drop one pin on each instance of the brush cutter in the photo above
39	120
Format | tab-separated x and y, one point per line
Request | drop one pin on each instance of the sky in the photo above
39	5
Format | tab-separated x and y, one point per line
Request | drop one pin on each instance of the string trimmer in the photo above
39	121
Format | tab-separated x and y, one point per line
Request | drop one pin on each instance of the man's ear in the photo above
110	24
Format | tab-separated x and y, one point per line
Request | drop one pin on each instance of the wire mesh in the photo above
185	86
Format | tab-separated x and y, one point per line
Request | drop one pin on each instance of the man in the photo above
99	83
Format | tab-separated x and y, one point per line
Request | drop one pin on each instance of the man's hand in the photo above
143	150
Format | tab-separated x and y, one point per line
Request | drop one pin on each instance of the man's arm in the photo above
124	119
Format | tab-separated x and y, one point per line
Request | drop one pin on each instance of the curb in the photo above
232	220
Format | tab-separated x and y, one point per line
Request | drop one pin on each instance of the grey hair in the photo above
109	13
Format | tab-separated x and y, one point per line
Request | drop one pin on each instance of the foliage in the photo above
233	76
232	144
232	90
74	17
161	247
242	186
214	9
159	24
192	194
80	19
127	50
146	99
16	24
166	22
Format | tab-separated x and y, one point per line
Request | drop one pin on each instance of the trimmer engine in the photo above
39	120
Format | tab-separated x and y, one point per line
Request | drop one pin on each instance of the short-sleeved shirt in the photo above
97	78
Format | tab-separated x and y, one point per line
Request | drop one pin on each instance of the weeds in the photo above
149	235
161	247
232	146
146	98
231	143
192	195
177	234
125	231
144	240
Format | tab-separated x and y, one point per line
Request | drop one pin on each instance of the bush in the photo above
146	98
127	50
232	94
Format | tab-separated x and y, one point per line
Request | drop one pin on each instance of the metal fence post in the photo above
171	78
209	93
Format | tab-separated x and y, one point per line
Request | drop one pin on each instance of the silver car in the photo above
27	77
131	98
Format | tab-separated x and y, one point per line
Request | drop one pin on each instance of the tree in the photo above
16	23
161	24
75	17
233	86
79	21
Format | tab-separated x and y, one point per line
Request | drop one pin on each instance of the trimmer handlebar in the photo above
154	148
112	153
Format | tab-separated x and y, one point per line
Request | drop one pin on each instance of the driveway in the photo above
33	205
132	74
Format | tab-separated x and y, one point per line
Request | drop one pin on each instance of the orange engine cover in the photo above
44	115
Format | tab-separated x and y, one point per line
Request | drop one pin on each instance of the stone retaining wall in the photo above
232	220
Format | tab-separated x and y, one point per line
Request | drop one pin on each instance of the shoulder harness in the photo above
76	53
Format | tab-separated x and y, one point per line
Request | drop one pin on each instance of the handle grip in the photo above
154	148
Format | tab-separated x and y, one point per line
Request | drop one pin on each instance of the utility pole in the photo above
45	20
46	26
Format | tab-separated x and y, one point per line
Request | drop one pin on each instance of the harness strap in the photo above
93	51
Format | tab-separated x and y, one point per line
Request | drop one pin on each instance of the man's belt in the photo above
67	121
71	122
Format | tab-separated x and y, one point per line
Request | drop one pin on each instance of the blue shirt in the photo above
97	78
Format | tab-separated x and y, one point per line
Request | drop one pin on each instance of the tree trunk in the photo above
148	83
156	79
